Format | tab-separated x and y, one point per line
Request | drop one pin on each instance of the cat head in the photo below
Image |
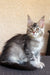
35	29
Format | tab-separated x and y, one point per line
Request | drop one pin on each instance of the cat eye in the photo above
37	29
31	28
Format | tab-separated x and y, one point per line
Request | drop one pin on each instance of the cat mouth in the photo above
33	32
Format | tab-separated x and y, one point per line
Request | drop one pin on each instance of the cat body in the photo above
24	48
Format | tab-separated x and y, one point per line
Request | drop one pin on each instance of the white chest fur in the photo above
36	45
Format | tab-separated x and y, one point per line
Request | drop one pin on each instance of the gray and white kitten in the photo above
24	48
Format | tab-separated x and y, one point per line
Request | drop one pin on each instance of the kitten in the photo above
24	48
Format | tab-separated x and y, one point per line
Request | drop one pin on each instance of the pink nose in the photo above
33	32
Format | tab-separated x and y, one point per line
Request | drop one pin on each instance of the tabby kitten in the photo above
24	48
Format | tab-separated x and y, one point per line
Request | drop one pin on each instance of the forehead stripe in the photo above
34	25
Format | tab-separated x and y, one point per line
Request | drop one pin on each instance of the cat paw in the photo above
40	65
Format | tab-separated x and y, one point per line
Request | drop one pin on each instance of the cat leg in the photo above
36	63
41	64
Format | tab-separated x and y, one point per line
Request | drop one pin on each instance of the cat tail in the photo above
24	66
11	65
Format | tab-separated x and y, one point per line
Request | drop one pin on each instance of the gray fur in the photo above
25	47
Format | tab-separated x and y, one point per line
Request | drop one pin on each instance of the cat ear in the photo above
41	22
30	22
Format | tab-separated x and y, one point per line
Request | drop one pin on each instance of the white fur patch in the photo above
37	64
36	45
13	59
16	59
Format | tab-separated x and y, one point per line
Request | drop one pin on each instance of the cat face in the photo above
35	30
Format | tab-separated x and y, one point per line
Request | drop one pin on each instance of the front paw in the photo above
40	65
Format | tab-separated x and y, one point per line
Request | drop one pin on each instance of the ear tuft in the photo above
43	17
30	22
41	22
28	17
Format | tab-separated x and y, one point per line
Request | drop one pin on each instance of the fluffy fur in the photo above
24	48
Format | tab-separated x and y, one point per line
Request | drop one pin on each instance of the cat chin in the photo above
36	37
